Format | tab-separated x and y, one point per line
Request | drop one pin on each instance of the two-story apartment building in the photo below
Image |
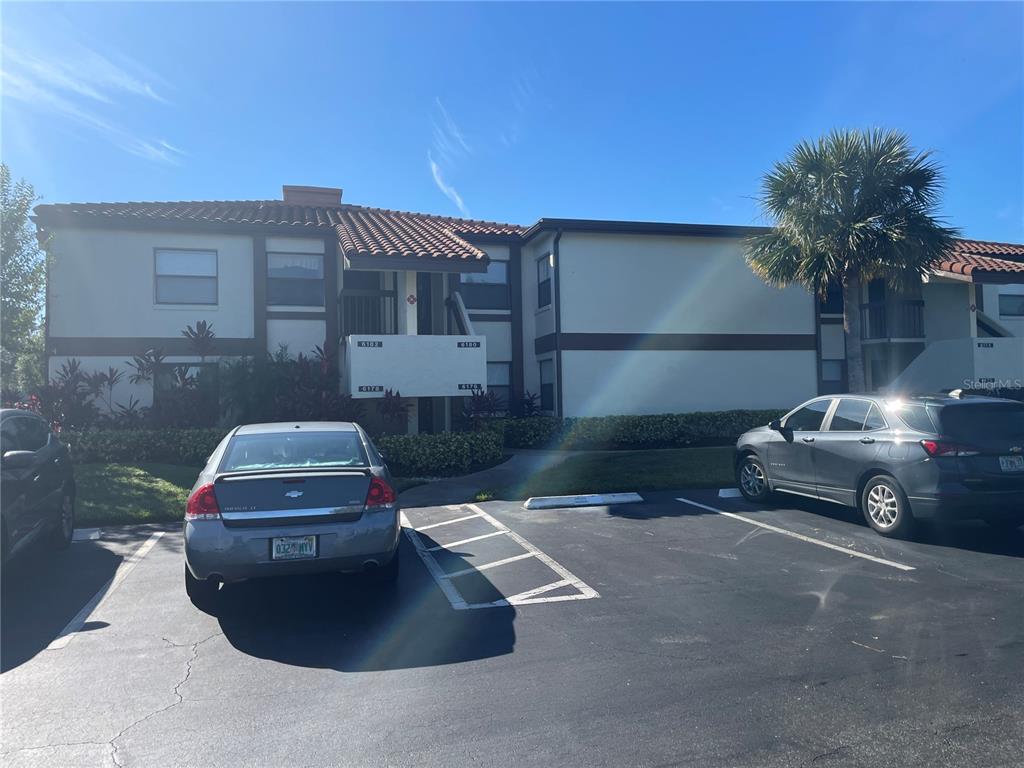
594	317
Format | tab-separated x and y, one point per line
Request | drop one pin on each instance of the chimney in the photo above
316	196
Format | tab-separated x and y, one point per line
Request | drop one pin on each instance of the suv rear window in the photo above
286	450
983	420
914	416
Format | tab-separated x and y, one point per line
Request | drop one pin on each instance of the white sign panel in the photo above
416	366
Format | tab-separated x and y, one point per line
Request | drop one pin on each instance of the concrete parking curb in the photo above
584	500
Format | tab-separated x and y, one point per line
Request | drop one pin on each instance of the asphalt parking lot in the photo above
697	632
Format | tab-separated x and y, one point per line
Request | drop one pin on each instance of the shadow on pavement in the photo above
43	590
346	623
968	535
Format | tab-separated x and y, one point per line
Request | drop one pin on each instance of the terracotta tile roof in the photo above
979	257
362	231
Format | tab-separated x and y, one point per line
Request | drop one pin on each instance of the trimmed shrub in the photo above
667	430
441	455
189	447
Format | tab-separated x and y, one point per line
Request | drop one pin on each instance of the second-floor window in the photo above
1011	304
186	277
544	281
487	290
295	279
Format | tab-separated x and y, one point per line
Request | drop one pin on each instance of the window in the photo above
186	277
808	418
499	381
9	436
547	385
487	290
544	281
914	416
832	304
850	415
301	449
1011	304
980	422
295	279
875	420
24	433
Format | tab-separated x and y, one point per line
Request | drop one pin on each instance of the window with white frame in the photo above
295	279
185	277
487	290
544	281
547	385
1011	304
499	381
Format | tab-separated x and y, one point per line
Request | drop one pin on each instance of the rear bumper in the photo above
232	554
961	503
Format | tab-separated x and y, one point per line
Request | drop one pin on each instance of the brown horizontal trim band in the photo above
477	318
416	263
980	276
544	344
649	342
642	228
295	315
831	320
116	345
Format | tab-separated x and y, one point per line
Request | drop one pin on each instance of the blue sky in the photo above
510	112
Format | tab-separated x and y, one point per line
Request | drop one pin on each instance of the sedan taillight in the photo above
202	504
380	494
946	448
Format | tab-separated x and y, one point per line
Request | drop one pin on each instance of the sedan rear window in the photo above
980	421
286	450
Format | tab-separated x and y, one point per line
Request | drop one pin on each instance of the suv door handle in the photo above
807	439
867	440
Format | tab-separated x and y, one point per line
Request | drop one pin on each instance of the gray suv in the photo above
897	459
277	499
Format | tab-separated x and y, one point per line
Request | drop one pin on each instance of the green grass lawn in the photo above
629	471
121	494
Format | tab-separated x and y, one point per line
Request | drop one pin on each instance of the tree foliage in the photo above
22	281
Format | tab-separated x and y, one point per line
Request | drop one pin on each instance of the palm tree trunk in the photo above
855	380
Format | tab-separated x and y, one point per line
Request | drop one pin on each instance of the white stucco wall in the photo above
102	284
659	284
604	383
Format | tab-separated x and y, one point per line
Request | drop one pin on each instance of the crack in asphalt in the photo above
177	695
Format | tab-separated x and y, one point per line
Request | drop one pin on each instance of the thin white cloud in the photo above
82	86
449	142
446	189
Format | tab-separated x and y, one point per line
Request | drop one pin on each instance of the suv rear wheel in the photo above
885	507
64	531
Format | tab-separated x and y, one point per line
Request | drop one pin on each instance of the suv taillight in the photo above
945	448
380	493
202	504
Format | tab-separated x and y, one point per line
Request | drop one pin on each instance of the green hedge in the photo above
189	447
443	454
667	430
440	455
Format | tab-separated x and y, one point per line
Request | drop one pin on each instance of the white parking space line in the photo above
471	539
447	522
126	566
444	580
801	537
485	566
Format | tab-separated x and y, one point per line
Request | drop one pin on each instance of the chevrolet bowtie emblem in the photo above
1016	449
293	494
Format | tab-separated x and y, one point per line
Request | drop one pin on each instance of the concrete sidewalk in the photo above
456	490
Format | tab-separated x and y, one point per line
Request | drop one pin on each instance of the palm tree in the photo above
852	207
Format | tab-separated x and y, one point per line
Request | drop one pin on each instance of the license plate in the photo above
1011	463
293	548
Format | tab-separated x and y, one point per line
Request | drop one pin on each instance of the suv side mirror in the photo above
775	424
17	459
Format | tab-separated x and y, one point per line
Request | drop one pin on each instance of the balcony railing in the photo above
901	319
368	311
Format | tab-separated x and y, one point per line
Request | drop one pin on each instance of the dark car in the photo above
898	460
278	499
37	483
